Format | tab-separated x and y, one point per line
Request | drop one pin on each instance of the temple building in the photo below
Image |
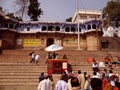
86	15
39	34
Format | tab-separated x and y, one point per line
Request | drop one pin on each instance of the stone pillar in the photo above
0	46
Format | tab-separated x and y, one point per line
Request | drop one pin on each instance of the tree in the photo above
1	9
34	11
11	15
112	12
69	19
22	6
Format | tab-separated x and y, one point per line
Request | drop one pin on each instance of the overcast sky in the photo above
57	10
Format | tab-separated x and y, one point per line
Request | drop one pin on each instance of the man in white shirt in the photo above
44	84
37	58
95	66
32	57
102	64
61	84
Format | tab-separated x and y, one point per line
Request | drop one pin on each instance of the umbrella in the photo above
53	47
31	53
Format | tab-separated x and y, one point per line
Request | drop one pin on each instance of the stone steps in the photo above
77	56
22	56
20	87
27	75
16	73
28	83
20	74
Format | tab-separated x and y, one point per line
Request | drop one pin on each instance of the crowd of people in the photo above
104	80
99	80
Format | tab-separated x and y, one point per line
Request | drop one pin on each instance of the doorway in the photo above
50	41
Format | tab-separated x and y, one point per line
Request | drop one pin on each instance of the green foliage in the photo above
69	19
112	13
1	9
11	15
34	11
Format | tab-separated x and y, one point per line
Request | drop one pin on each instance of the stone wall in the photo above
90	41
110	43
93	41
8	39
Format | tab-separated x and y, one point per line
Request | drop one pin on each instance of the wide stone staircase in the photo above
16	73
19	76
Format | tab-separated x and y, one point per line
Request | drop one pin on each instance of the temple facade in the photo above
38	34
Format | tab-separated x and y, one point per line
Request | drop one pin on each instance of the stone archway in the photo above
49	41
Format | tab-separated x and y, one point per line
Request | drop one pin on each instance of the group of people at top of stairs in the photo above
107	62
54	55
34	58
99	80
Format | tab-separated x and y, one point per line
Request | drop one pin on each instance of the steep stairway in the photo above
20	74
16	73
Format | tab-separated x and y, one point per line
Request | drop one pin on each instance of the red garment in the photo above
115	88
104	83
90	60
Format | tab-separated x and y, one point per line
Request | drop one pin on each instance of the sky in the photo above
57	10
